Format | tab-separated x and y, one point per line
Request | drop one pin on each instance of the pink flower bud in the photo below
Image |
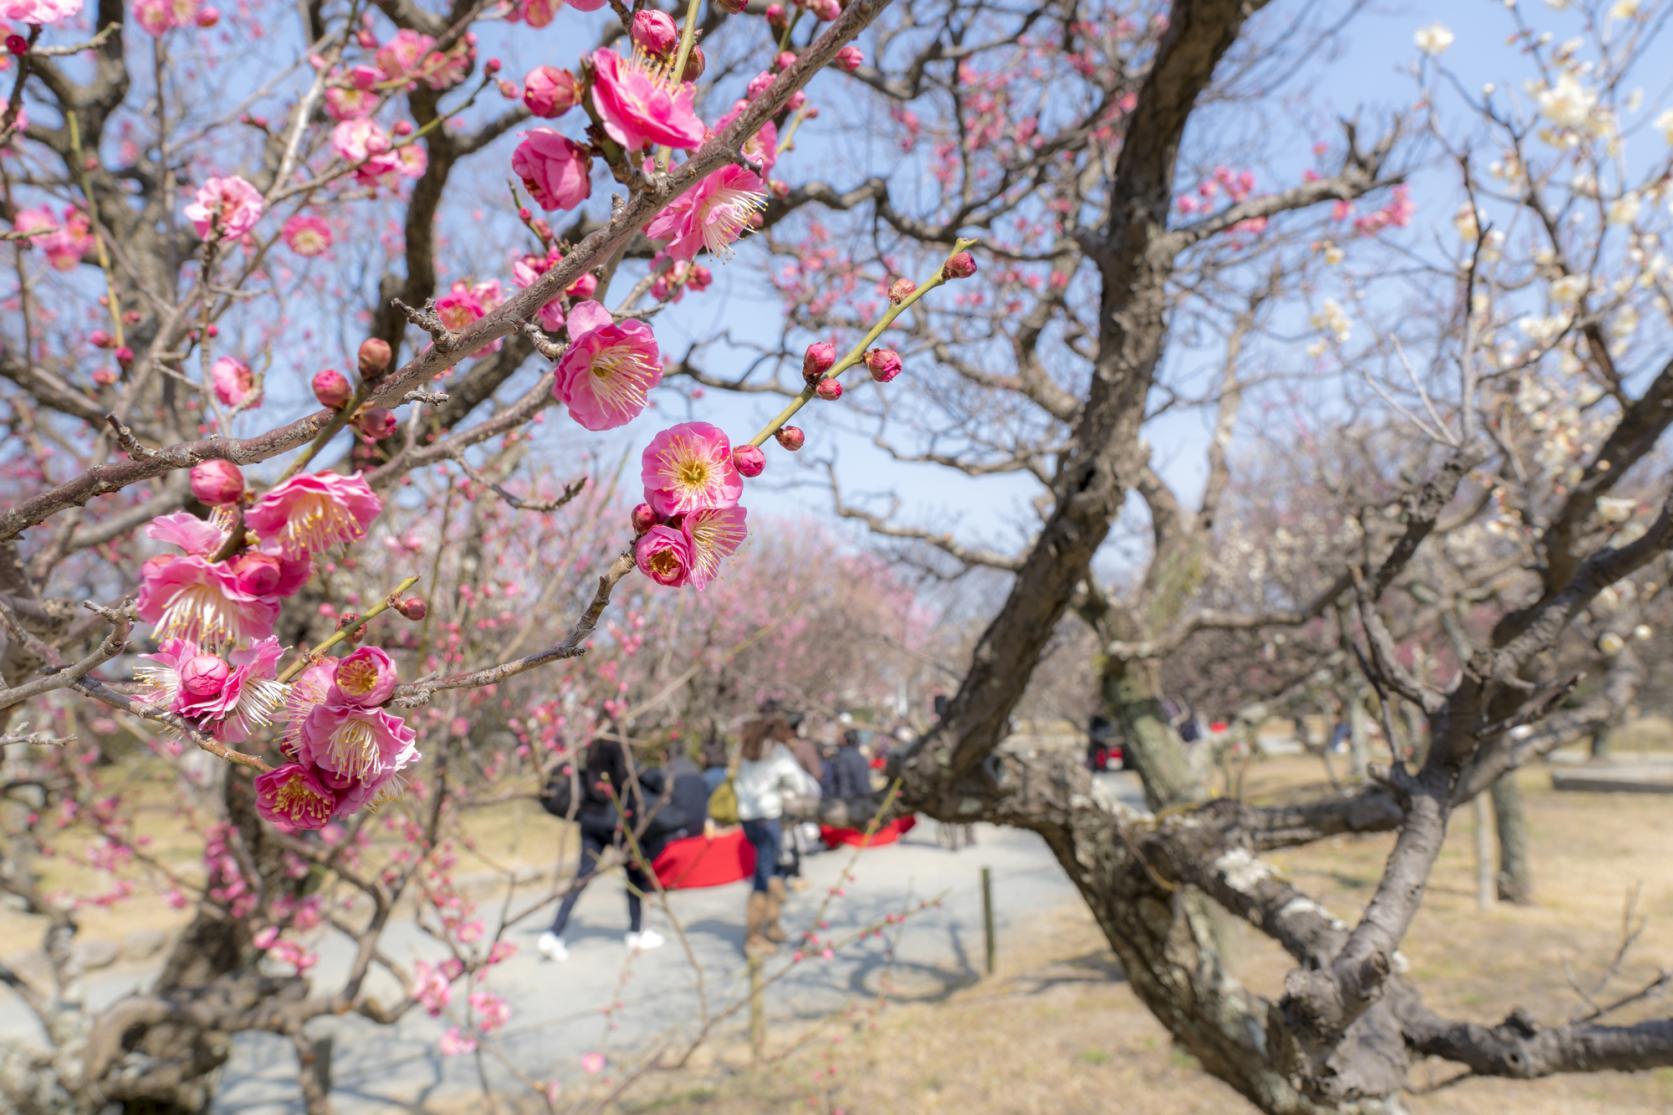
508	89
125	356
695	64
403	128
791	437
643	518
748	459
819	358
549	91
216	482
203	675
374	358
17	44
850	58
414	608
583	288
784	61
376	423
655	31
829	390
902	289
331	388
883	364
961	266
732	7
491	67
100	339
207	17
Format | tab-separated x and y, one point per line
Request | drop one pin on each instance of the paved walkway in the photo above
558	1009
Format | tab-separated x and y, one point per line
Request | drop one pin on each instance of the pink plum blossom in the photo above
689	468
307	236
664	555
554	169
606	376
226	207
712	534
364	679
234	383
359	744
293	799
642	105
712	214
549	91
39	12
313	512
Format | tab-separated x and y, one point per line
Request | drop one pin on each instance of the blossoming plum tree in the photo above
319	617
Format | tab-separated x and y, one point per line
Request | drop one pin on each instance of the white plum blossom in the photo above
1433	39
1624	209
1567	104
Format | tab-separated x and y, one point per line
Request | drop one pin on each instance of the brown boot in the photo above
773	907
756	942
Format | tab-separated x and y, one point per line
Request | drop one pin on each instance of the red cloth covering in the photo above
702	861
886	834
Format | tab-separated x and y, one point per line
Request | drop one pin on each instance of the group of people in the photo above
781	783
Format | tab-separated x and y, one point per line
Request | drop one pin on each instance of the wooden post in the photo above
987	917
1485	890
757	1010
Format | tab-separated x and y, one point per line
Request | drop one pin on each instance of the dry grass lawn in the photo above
1055	1031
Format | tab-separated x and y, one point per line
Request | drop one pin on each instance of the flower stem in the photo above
342	633
338	421
857	354
71	118
688	35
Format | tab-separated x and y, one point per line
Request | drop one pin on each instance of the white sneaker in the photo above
551	946
644	942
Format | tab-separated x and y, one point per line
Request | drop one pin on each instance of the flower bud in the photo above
583	288
791	437
125	356
829	390
695	64
819	358
643	518
784	61
203	675
902	289
655	32
376	423
100	339
17	44
961	266
414	608
748	459
331	388
374	358
883	364
549	91
850	58
732	7
216	482
491	67
207	17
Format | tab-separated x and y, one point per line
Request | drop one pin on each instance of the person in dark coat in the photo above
847	785
676	804
714	760
610	799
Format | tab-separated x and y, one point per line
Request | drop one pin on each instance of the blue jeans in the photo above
765	836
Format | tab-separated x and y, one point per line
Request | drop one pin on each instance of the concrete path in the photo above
558	1009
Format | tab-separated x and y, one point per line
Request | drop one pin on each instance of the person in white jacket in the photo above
767	774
